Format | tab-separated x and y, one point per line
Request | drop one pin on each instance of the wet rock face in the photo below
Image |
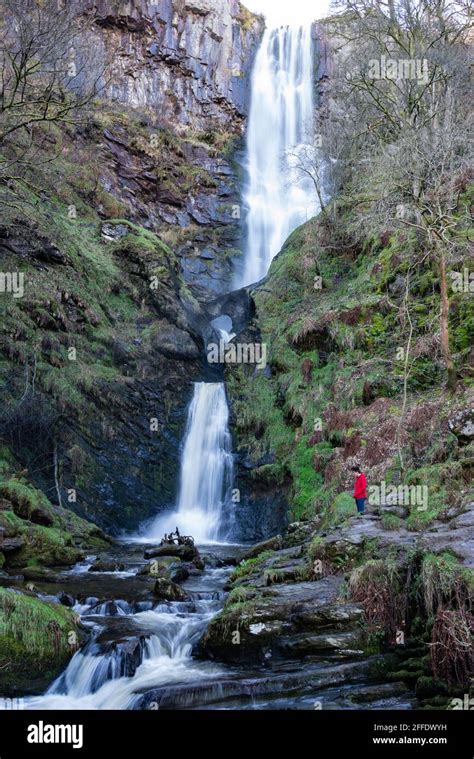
189	189
190	61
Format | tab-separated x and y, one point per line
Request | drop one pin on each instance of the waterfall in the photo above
206	470
280	124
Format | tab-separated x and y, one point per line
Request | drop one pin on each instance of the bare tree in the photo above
401	99
49	75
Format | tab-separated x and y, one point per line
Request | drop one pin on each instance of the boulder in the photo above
166	590
342	643
461	424
9	545
273	544
41	516
39	573
35	642
159	567
185	553
106	565
298	618
179	574
66	599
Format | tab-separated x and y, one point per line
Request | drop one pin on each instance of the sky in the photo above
287	11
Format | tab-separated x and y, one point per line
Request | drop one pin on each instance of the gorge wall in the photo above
98	363
188	61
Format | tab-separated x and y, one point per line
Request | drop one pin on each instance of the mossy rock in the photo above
37	639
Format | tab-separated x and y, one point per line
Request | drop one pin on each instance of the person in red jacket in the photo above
360	489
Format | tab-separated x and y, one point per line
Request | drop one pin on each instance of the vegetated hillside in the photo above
341	389
335	392
367	316
118	184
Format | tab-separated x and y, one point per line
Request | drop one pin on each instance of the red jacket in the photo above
360	488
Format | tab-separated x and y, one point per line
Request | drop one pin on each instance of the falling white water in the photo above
280	125
206	470
95	680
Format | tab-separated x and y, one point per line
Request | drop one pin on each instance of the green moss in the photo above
239	595
25	498
342	508
391	522
248	566
445	582
306	481
36	641
246	18
53	545
361	328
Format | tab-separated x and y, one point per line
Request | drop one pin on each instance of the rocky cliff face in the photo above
188	60
97	365
187	66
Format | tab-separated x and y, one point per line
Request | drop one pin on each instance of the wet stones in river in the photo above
179	573
66	599
168	567
166	590
183	552
103	564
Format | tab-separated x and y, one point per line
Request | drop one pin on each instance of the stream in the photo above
134	645
144	655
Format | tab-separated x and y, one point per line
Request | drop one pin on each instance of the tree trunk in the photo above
444	323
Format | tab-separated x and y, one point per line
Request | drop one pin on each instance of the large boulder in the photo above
185	553
105	564
461	424
36	642
41	574
296	618
166	590
8	545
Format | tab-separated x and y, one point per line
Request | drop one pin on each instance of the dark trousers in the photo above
360	505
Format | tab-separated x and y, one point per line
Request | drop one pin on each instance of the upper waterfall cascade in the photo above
281	116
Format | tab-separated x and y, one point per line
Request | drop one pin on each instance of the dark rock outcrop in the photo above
461	424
